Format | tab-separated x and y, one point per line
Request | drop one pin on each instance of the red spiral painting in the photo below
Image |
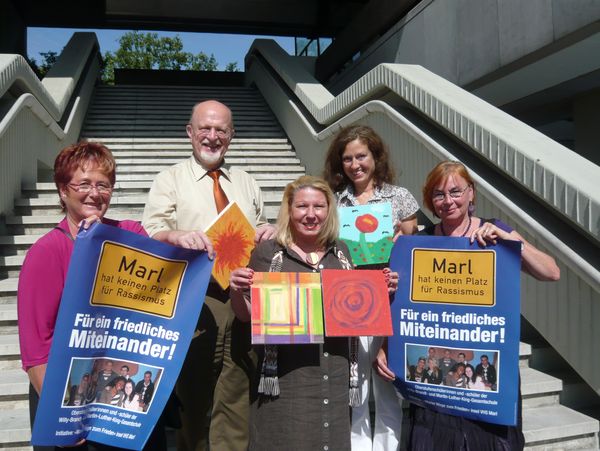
355	303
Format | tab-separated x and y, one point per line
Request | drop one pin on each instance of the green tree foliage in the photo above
232	67
48	60
202	61
149	51
144	51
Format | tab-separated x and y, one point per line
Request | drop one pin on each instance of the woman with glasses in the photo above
358	170
449	193
84	174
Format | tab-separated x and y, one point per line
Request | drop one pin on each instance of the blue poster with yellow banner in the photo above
127	315
456	318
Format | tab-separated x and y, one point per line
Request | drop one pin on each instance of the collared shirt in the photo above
403	202
181	198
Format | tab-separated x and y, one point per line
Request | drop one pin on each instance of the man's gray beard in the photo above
210	158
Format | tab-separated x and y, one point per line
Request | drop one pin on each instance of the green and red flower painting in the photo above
368	231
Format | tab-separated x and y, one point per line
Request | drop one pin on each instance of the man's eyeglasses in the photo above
101	188
221	134
439	196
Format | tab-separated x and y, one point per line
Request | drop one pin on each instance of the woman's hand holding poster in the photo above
456	318
127	316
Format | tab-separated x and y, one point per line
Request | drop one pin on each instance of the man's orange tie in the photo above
221	200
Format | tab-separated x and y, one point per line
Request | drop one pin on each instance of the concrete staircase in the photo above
548	425
145	129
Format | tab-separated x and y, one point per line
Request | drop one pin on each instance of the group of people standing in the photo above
234	396
117	389
453	373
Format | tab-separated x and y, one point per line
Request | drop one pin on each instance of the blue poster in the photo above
456	318
127	315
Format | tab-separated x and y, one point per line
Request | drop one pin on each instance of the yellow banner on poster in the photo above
454	277
136	280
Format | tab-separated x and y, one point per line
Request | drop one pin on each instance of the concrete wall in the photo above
586	112
467	41
46	115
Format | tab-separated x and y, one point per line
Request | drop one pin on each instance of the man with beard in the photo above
183	201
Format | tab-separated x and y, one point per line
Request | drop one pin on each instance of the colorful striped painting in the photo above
287	308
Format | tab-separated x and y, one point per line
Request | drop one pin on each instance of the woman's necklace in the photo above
312	258
463	234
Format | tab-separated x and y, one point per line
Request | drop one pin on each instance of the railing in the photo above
38	118
542	188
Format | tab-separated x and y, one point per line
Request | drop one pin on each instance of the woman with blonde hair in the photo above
433	375
301	395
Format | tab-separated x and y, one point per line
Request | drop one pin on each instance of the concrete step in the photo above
8	290
8	298
158	118
118	201
182	152
139	109
151	160
9	345
238	90
11	266
17	402
557	428
177	130
149	105
167	127
14	383
185	140
524	354
250	169
16	240
124	104
168	99
49	189
258	176
185	149
246	128
40	224
539	389
14	429
238	96
247	109
576	393
8	312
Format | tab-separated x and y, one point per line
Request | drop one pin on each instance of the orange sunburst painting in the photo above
232	237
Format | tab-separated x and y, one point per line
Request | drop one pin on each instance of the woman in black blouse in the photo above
303	399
